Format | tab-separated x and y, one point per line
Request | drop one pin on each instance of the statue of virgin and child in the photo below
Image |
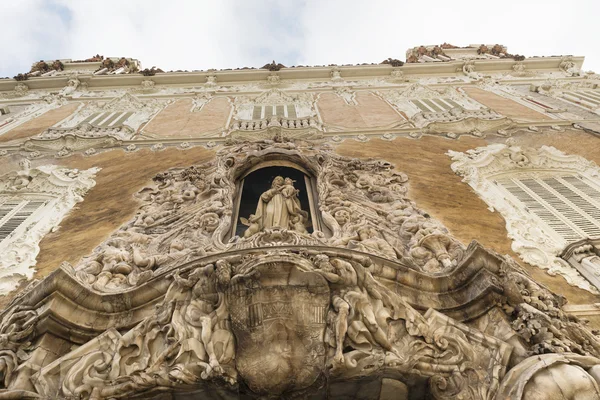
278	207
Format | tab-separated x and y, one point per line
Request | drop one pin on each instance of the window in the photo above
266	111
260	180
108	119
17	213
436	105
550	201
567	204
589	99
33	201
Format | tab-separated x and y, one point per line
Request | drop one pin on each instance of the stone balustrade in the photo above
289	123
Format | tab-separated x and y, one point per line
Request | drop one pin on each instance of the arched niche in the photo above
254	180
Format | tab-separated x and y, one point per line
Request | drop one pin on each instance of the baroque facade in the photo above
427	229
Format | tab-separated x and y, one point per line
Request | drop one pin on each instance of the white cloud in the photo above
187	35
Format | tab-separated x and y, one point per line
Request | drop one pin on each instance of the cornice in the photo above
470	290
296	73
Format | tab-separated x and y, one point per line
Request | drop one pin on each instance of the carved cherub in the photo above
21	178
352	305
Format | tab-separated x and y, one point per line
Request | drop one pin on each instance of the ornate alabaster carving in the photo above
216	319
362	206
401	100
200	100
569	67
20	90
141	111
278	207
347	94
535	245
62	188
280	312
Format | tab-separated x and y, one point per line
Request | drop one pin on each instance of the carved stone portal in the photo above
382	299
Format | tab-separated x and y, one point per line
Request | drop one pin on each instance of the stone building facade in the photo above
427	229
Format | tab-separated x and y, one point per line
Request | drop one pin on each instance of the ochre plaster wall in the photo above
440	192
586	145
432	185
39	124
176	120
505	106
109	204
371	111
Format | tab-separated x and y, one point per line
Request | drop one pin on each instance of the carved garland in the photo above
537	246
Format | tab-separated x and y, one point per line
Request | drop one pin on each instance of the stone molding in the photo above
171	302
536	246
64	188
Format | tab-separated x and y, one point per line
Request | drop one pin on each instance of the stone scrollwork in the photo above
279	312
59	189
318	315
539	247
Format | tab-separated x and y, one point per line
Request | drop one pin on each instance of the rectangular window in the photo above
435	105
16	213
267	111
107	119
568	204
589	99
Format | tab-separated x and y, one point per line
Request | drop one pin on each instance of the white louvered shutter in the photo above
568	204
16	213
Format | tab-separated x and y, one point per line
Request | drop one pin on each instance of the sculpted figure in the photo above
355	317
23	176
368	240
278	207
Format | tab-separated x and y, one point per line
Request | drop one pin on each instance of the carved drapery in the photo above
533	239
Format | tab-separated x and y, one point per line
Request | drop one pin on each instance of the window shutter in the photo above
291	111
435	105
257	112
14	213
567	204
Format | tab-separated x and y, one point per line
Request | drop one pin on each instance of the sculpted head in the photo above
25	164
278	181
366	233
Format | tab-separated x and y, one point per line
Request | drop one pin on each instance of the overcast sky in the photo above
194	34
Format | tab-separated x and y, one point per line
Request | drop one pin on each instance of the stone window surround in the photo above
63	188
534	244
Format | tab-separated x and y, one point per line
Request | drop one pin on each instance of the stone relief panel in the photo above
33	202
532	188
281	312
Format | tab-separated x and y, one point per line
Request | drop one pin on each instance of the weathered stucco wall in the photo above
370	112
505	106
39	124
176	120
439	191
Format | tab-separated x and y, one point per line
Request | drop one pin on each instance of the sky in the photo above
199	35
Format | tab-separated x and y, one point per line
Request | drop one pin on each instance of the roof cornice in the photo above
242	76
